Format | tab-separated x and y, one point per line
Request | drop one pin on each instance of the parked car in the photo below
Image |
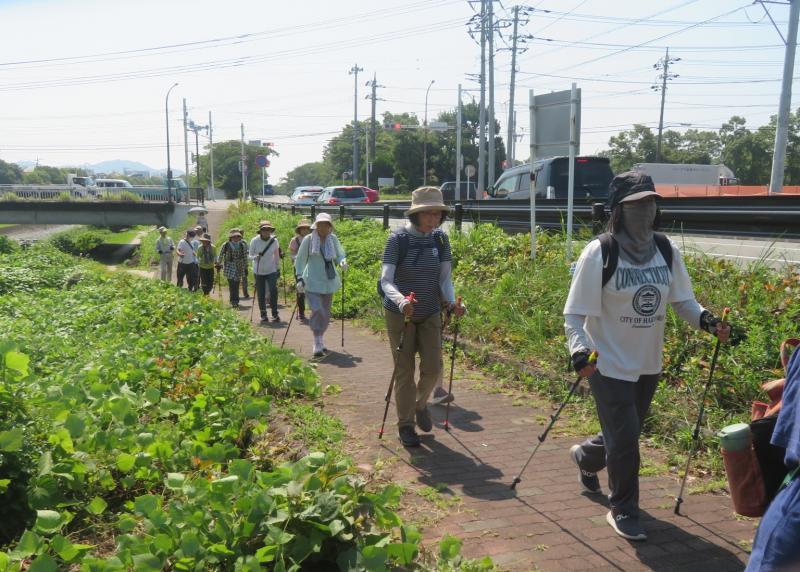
113	183
305	195
469	191
341	195
592	178
372	195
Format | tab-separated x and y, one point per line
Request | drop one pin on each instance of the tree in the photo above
307	174
227	174
637	145
10	173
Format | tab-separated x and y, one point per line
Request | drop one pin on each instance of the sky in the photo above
85	81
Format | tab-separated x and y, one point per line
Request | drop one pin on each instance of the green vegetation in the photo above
81	240
515	309
133	417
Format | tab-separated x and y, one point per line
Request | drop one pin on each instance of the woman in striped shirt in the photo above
417	259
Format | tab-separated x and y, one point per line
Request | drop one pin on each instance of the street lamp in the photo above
169	167
425	138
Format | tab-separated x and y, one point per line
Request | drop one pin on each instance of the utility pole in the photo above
372	128
663	64
244	168
510	139
211	190
784	107
354	72
186	140
482	111
458	148
490	32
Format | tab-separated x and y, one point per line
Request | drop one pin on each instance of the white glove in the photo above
300	286
343	265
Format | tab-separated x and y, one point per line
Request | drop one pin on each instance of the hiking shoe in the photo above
626	526
302	318
589	480
276	318
424	419
319	354
408	436
440	396
264	318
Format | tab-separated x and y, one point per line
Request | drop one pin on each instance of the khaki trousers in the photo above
425	338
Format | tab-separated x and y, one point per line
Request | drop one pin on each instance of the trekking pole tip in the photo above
678	502
515	482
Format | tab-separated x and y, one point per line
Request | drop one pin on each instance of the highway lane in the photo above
775	253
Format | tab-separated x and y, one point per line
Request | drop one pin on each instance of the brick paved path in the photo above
546	524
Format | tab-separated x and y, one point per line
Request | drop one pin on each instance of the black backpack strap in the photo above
269	243
402	246
609	249
438	238
665	247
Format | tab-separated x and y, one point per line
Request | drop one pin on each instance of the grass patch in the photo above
313	427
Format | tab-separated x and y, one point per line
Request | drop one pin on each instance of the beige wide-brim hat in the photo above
162	229
206	238
265	224
322	217
427	199
302	224
234	232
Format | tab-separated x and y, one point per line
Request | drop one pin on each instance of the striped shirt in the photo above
419	271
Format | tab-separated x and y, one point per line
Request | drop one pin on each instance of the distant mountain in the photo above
119	166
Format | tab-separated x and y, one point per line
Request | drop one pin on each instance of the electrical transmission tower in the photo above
663	65
373	96
521	17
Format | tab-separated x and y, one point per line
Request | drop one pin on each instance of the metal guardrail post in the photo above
293	209
313	212
598	217
459	216
341	212
385	216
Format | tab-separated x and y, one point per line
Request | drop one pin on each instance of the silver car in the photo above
342	195
305	195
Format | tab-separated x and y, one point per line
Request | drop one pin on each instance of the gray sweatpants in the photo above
320	306
622	408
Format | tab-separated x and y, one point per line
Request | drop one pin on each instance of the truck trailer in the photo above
688	174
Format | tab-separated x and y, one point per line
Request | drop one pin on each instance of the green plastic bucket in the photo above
735	437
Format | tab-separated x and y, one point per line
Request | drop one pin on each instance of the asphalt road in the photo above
775	253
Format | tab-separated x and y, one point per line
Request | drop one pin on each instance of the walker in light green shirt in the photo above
311	267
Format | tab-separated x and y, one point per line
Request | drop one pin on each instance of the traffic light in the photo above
397	126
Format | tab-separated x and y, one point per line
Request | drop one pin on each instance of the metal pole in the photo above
186	140
491	143
511	115
784	108
211	189
366	167
573	111
169	166
197	154
425	138
354	72
532	109
263	180
482	111
373	125
663	97
244	168
458	148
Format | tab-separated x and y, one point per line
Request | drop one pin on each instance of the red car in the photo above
372	195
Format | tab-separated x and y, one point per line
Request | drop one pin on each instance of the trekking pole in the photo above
412	299
286	333
452	367
696	434
255	297
553	419
343	308
285	286
219	284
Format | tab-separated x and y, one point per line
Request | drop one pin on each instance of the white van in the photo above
113	183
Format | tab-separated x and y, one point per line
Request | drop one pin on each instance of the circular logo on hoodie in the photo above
646	300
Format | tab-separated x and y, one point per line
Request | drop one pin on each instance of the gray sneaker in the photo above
409	437
626	526
589	480
440	396
424	419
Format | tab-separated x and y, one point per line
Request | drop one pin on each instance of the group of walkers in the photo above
614	320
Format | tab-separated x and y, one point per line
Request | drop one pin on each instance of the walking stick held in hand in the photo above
343	308
452	367
696	434
413	300
286	333
553	419
219	282
283	272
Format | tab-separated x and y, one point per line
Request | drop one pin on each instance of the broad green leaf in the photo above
11	440
190	544
75	425
4	560
125	462
126	522
449	547
175	480
43	563
28	544
4	485
375	558
45	463
147	563
146	504
163	543
48	520
220	550
152	395
64	548
402	552
97	505
336	527
267	553
242	468
18	363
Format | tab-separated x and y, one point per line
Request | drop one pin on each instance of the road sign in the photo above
469	170
262	161
552	137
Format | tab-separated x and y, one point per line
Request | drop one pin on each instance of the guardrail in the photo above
129	194
769	216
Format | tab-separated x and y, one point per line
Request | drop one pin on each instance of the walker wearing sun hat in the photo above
303	223
427	199
265	224
322	217
630	186
234	232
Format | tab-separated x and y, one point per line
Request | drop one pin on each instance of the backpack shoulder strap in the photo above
269	243
402	245
609	249
664	246
438	238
